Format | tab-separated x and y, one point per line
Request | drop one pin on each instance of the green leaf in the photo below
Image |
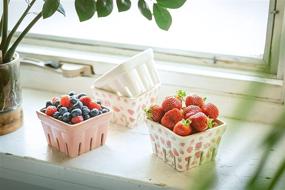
123	5
162	17
85	9
172	4
104	7
50	7
144	9
61	9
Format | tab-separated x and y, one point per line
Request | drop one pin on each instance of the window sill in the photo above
125	162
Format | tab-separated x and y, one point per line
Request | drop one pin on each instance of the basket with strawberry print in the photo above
183	153
128	112
184	134
75	125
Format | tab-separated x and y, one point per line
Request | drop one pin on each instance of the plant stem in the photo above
12	49
278	174
4	25
6	45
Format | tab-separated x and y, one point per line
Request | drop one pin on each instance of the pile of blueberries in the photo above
73	108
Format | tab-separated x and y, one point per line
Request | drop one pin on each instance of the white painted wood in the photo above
126	161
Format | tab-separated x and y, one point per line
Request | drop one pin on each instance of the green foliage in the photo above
162	17
144	9
85	9
104	7
50	7
171	4
123	5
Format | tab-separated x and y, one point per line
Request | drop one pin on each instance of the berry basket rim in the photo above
93	87
220	126
72	126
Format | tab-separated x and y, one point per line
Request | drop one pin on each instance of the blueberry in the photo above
62	110
105	110
85	110
99	102
59	106
78	105
56	114
85	117
59	118
57	103
80	95
66	117
72	93
76	112
94	112
73	100
48	103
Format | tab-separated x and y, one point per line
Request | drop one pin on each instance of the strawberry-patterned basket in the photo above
127	112
183	153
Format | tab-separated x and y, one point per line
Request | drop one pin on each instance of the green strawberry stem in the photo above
211	123
180	94
148	113
185	122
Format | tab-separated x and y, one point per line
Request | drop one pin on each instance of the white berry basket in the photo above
131	78
128	112
183	153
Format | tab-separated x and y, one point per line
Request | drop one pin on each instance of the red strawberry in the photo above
54	100
182	128
65	100
85	100
191	110
171	102
194	100
171	117
77	119
199	121
93	105
211	110
51	110
155	113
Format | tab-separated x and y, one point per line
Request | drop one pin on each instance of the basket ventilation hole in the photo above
91	140
155	146
102	139
66	146
164	154
57	144
79	148
188	162
49	141
201	158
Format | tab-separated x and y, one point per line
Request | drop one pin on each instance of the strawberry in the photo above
85	100
171	117
199	121
50	110
211	110
194	100
191	110
54	100
65	101
171	102
155	113
182	128
93	105
77	119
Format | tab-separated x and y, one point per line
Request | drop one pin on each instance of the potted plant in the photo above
10	88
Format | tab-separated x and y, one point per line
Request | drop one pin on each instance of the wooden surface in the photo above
10	121
126	160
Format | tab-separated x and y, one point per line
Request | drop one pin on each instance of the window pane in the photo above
233	27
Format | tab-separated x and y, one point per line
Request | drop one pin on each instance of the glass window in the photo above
231	27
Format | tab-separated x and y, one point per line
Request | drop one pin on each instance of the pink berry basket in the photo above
183	153
128	112
76	139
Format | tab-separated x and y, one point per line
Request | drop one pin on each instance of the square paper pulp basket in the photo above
183	153
128	112
75	139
